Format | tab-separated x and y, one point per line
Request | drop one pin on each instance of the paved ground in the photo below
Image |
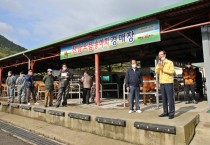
8	139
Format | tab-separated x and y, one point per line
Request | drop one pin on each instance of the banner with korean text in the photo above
141	34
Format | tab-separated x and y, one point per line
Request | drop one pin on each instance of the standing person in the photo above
64	78
189	83
10	81
87	84
199	82
30	81
134	82
165	70
21	88
49	87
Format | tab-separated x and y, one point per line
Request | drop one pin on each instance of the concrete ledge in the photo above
14	105
155	127
41	110
116	122
79	116
25	107
5	104
125	129
57	113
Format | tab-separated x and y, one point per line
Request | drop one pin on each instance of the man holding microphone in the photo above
165	70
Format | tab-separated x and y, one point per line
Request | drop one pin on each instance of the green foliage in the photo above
7	47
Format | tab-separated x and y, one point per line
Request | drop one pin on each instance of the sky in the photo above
32	23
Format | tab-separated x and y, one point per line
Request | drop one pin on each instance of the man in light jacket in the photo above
165	70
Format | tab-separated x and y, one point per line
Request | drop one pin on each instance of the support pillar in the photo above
205	31
1	70
97	78
32	63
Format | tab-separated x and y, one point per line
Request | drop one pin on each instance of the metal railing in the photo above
76	90
109	90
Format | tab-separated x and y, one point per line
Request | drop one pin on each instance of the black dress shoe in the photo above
170	117
163	115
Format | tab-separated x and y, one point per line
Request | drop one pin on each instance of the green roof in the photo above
140	16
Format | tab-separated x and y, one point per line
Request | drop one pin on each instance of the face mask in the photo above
163	58
64	68
9	75
30	73
188	66
133	65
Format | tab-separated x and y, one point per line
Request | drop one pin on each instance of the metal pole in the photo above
124	95
97	77
184	28
29	61
1	69
157	93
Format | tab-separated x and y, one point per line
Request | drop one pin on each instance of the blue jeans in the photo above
134	94
167	92
30	91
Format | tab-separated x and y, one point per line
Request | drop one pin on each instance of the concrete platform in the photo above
116	123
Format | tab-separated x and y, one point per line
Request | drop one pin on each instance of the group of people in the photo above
134	83
165	70
25	87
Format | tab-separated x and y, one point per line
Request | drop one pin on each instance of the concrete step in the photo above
59	133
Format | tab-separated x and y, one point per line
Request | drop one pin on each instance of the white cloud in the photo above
5	28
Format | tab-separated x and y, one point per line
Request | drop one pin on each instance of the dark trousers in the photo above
167	93
86	95
62	93
30	91
200	89
189	88
134	94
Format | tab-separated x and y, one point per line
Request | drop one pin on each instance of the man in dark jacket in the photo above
30	81
63	88
49	87
10	81
134	82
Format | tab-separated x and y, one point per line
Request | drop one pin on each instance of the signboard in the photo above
141	34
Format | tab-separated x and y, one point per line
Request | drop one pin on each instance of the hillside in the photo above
7	47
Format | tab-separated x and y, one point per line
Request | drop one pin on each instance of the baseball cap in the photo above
49	70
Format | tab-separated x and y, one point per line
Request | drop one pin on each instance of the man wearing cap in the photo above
49	87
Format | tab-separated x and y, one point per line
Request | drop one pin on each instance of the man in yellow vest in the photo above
165	70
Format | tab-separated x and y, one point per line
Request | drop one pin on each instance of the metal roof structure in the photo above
181	45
